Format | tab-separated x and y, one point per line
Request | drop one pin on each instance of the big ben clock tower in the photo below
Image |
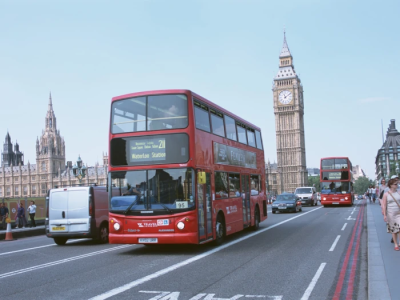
289	124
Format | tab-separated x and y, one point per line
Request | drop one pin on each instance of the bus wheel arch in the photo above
220	226
103	233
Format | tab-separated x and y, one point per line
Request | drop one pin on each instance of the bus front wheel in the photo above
219	230
256	220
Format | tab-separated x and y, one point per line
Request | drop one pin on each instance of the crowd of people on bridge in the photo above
20	219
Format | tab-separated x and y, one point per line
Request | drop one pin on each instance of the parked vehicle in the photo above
287	202
77	212
308	195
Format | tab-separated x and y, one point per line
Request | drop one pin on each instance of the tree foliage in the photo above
362	184
314	181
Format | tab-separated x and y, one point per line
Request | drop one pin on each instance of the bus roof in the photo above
345	157
183	91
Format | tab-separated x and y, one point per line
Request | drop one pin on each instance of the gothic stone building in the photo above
289	123
50	170
9	156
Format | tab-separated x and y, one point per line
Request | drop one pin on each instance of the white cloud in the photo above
373	99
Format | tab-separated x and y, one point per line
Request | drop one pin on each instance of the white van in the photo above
77	212
308	195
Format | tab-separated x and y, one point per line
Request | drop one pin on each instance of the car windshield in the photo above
160	191
304	191
285	198
335	187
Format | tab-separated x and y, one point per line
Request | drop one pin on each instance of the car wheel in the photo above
301	208
273	211
103	234
60	241
219	230
256	220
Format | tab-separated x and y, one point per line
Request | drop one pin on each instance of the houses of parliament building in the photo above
51	170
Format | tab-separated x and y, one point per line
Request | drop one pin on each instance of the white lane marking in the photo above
344	226
54	263
313	282
27	249
334	243
33	248
157	274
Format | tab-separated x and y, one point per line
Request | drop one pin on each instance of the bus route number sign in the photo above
149	149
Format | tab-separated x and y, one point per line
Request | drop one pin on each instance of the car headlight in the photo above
117	226
180	225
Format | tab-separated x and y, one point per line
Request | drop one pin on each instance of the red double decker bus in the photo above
336	181
182	170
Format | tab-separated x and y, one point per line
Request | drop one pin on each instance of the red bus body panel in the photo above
200	157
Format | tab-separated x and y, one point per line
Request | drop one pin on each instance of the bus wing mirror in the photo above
201	177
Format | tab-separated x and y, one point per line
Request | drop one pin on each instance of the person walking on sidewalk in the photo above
382	190
373	193
32	212
3	215
21	216
391	204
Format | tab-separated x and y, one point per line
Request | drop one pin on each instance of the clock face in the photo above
285	97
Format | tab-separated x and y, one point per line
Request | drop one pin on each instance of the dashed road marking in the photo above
313	282
334	243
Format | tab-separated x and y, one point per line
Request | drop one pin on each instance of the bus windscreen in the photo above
334	164
335	187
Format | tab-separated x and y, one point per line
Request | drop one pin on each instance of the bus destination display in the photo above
149	149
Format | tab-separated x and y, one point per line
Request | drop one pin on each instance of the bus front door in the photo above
204	209
246	200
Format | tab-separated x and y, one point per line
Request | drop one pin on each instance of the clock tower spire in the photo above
289	124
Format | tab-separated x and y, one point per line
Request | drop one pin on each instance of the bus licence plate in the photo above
282	207
335	203
148	240
58	228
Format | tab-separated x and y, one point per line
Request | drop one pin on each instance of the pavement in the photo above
24	232
383	260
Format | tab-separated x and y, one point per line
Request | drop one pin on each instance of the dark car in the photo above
286	202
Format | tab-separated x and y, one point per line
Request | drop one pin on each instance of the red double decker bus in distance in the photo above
336	181
182	170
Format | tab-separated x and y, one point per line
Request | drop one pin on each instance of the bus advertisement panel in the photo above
182	170
336	181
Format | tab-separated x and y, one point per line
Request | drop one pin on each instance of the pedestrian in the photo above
3	215
21	216
382	190
368	193
32	212
373	193
391	204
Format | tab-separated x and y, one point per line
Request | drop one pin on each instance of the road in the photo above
319	253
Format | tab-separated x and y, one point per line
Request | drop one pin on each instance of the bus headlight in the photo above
345	198
117	226
324	198
180	225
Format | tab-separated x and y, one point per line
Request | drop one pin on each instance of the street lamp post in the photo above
79	170
397	168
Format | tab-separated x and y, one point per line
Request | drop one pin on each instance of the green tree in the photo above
314	181
362	184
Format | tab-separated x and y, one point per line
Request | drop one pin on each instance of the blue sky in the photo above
86	52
